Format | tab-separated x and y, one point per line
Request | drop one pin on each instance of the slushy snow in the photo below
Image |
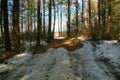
87	63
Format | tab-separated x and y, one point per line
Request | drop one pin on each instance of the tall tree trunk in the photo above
90	19
22	25
1	21
68	22
76	19
83	20
30	29
61	18
22	20
6	27
109	19
54	19
38	22
44	31
35	21
28	21
49	25
99	20
103	6
58	20
16	27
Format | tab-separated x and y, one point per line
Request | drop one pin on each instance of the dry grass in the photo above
57	43
6	55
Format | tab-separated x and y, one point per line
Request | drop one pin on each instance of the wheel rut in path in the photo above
91	70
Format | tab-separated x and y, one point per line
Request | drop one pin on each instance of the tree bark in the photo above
109	19
38	22
28	21
1	21
76	20
90	19
50	18
83	20
44	31
68	22
61	18
99	20
54	19
103	6
16	27
58	20
6	27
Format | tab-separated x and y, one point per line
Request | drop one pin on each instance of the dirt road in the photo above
58	64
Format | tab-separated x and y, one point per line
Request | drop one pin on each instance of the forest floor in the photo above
65	59
56	43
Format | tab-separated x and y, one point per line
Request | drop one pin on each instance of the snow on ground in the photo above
57	37
109	53
2	48
108	49
82	38
14	62
87	63
91	70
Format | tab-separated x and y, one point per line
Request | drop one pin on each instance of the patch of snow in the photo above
108	50
60	64
111	42
59	37
6	68
82	38
92	70
3	68
50	50
44	43
2	46
109	53
19	59
14	62
115	63
53	65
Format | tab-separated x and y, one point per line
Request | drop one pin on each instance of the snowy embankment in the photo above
86	63
90	68
108	52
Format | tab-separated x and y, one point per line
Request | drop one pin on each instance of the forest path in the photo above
58	64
